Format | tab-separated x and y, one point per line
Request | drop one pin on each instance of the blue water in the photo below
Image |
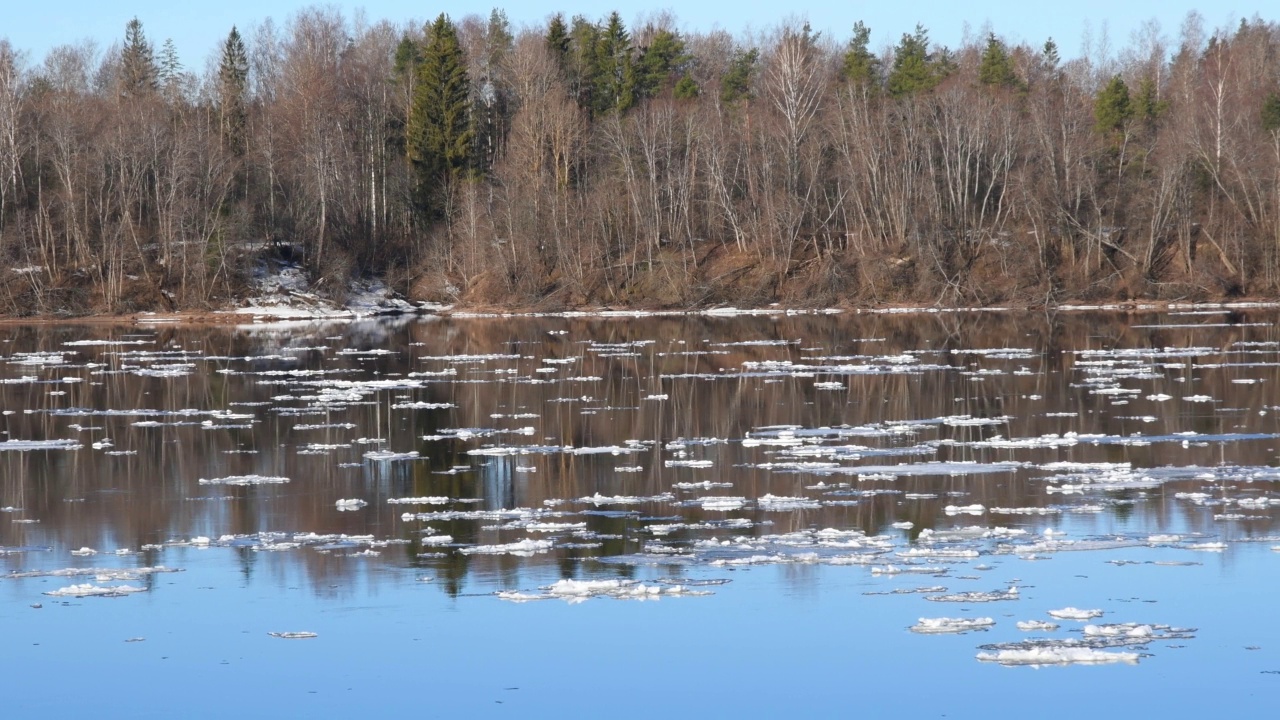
397	633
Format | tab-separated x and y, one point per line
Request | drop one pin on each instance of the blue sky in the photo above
197	28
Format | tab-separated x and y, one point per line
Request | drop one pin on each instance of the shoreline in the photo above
242	317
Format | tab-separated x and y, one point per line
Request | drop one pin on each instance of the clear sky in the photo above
197	27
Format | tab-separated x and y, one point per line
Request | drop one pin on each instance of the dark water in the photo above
642	516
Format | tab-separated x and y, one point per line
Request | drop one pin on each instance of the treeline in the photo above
587	162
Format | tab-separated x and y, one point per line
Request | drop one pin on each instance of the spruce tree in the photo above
860	67
440	132
138	72
558	40
233	76
611	69
996	68
170	69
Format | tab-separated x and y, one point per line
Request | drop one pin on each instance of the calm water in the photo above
643	517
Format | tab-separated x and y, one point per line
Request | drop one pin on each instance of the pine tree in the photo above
1112	109
686	88
736	83
655	65
914	69
138	72
233	76
996	68
860	67
440	132
1148	106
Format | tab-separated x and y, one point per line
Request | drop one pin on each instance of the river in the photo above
923	514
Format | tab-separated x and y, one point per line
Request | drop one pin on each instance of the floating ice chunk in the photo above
245	480
1034	625
1058	656
388	456
782	504
721	503
91	590
1073	613
904	525
1162	539
84	552
351	504
437	540
655	397
930	626
294	635
599	499
966	597
422	406
1207	546
432	500
1132	631
1026	511
689	463
1198	398
28	445
974	509
704	485
522	548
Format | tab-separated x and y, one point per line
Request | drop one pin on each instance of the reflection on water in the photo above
641	457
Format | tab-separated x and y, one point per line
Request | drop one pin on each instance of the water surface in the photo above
664	515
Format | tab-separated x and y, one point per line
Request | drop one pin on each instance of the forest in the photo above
588	162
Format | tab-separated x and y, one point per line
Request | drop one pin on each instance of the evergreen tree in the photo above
493	94
170	69
558	40
233	76
1271	113
1148	106
138	72
1112	109
655	65
860	67
581	65
736	83
686	88
1050	52
996	68
914	69
440	132
611	73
